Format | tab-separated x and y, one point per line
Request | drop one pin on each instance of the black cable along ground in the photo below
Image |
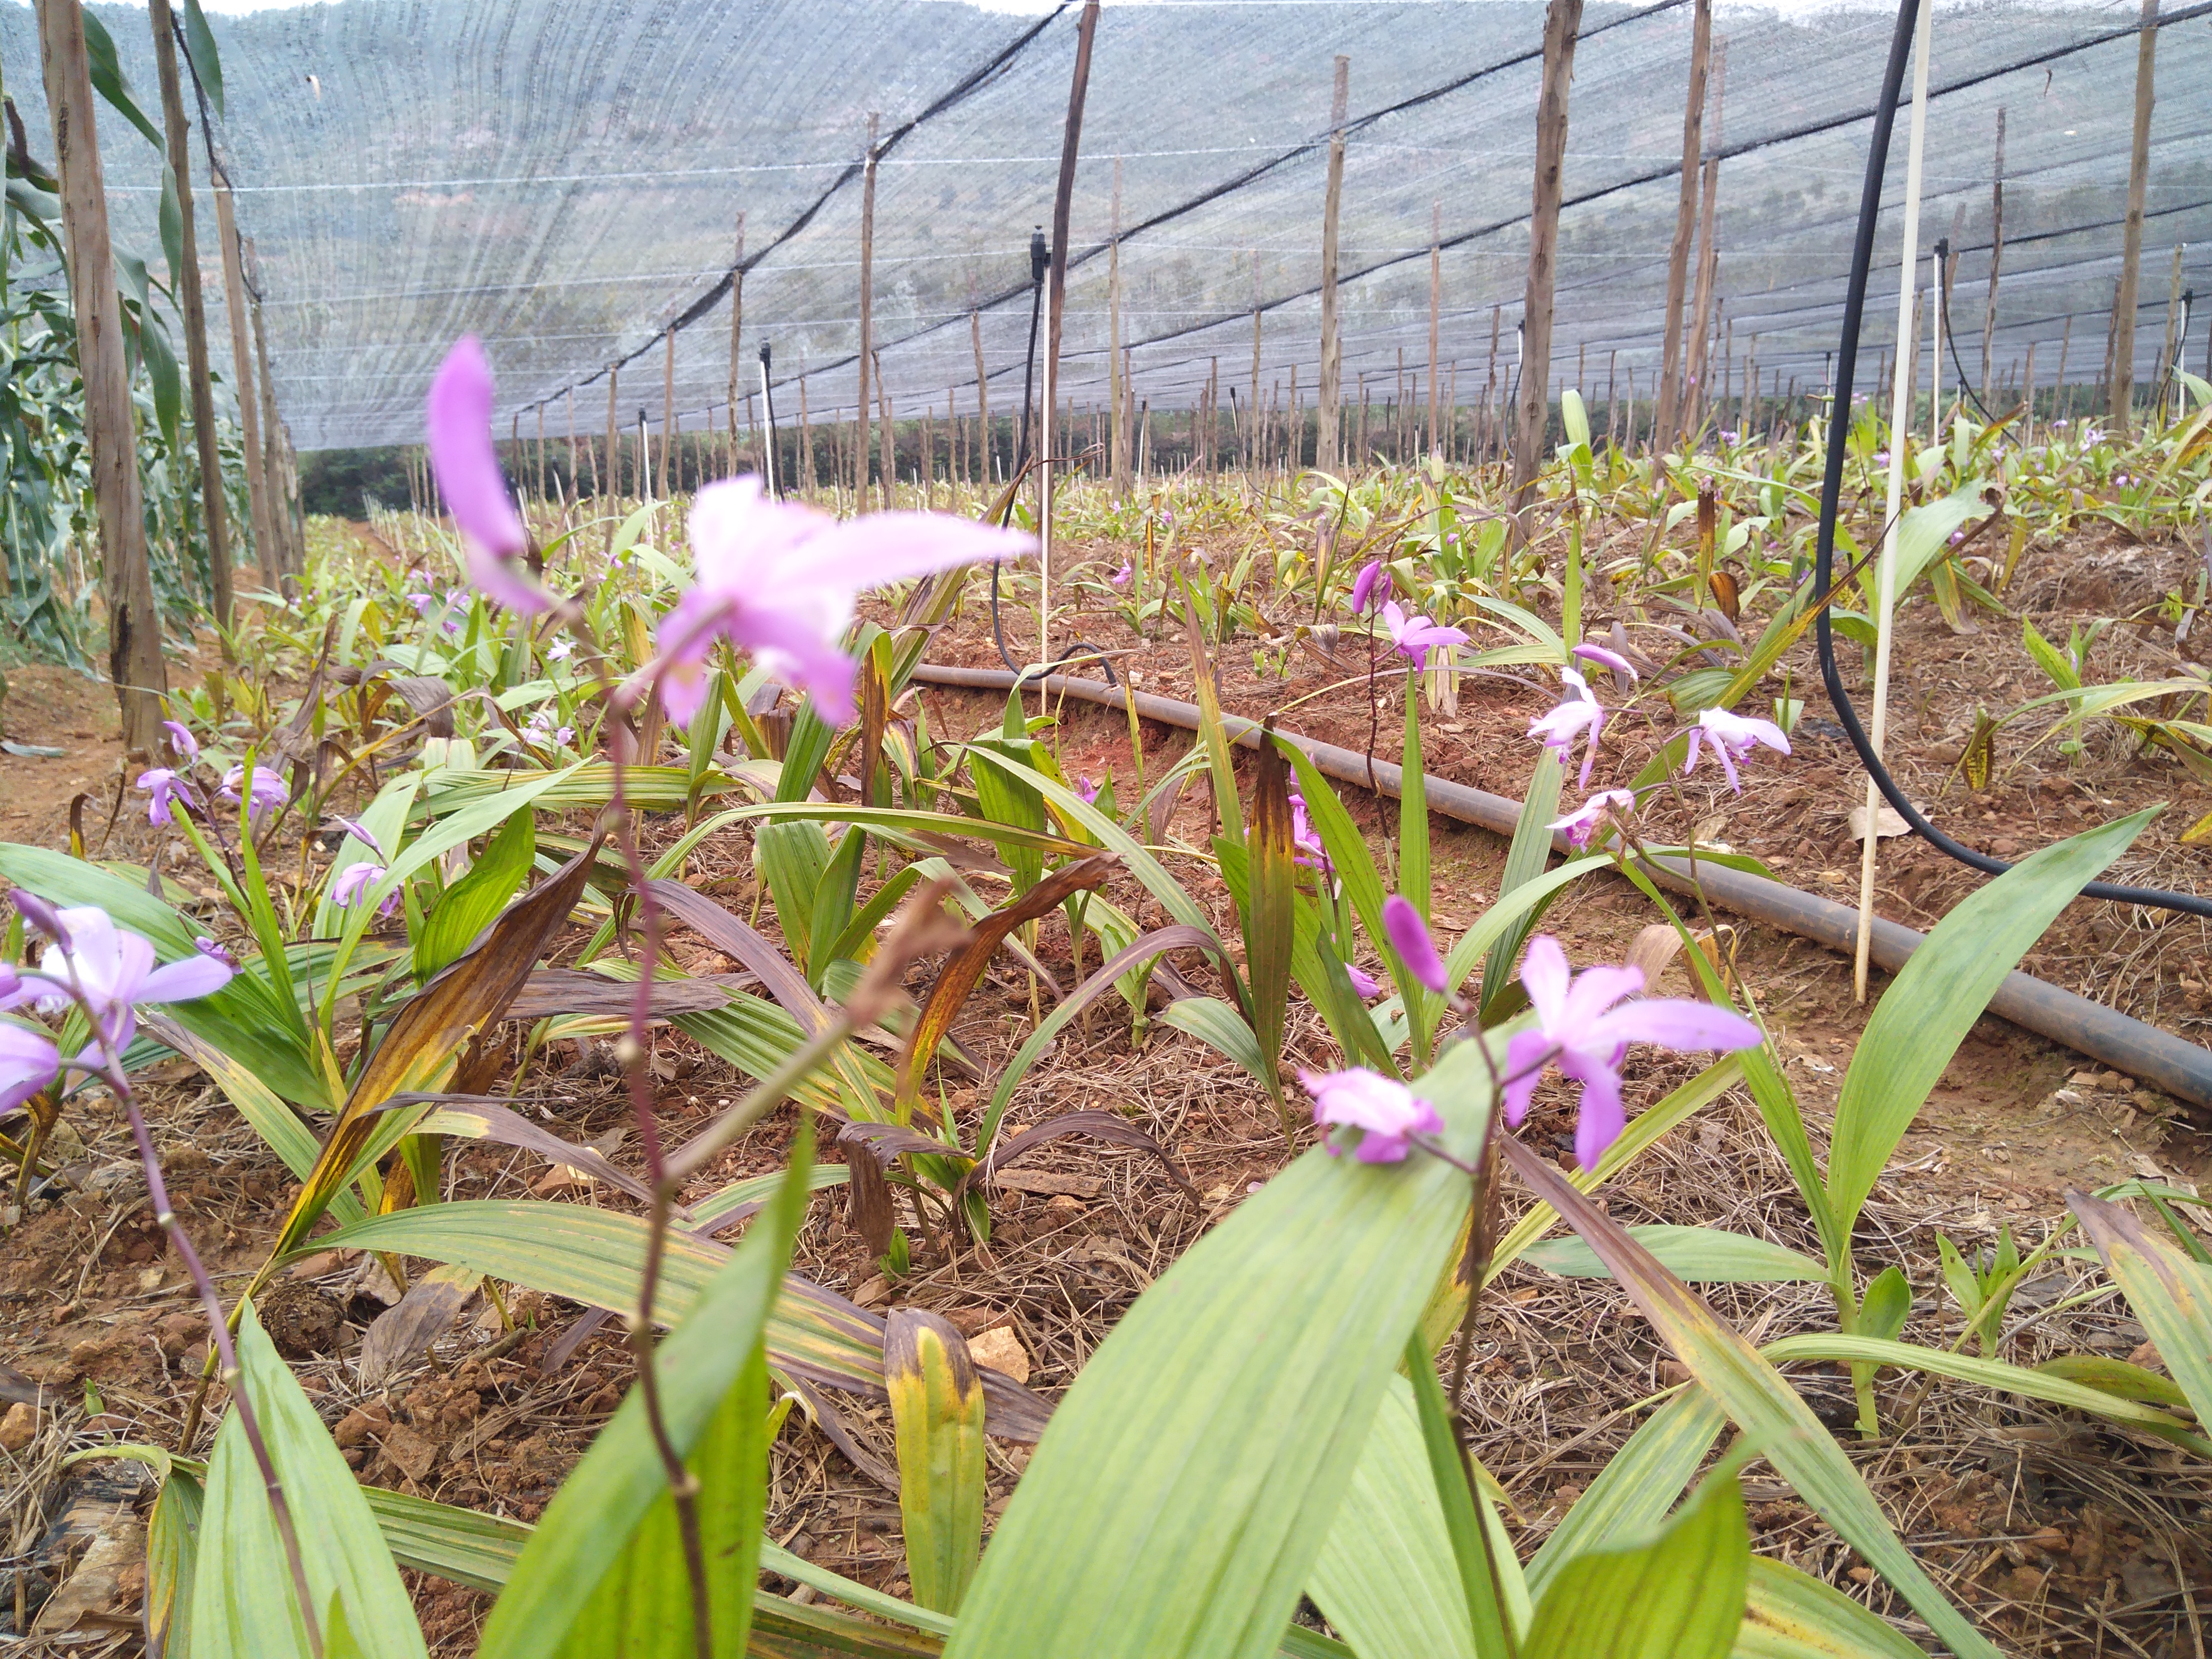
1831	489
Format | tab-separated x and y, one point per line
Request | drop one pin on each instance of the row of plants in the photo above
1276	1419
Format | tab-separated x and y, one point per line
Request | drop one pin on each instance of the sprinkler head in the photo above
764	360
1040	256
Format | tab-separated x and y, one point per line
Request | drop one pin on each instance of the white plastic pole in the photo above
1045	489
1900	438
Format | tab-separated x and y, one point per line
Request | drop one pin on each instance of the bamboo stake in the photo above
1436	306
1071	146
575	478
1562	23
807	478
1678	252
280	519
886	442
134	627
668	415
1996	257
187	279
983	395
1252	451
610	484
1332	367
1117	388
2165	355
737	326
1900	412
867	300
2122	383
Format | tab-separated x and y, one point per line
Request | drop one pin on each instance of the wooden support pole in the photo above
135	663
187	280
1699	376
1678	252
1435	307
1562	24
610	482
1996	259
279	517
1055	309
1332	367
982	396
886	441
2170	345
667	417
242	383
1117	386
807	477
737	326
867	353
2123	377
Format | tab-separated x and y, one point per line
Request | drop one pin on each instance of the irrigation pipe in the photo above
2180	1068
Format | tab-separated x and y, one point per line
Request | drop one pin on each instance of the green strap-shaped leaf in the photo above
1270	917
1939	994
199	46
2170	1293
1490	1579
1697	1255
1637	1486
936	1414
1525	861
1677	1596
1758	1399
244	1605
1222	1029
1790	1614
1176	1503
173	1545
556	1583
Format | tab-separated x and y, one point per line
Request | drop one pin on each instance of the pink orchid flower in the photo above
354	884
1584	1026
1310	853
458	429
1582	824
1122	577
265	791
779	579
165	786
1414	637
29	1063
110	968
1409	938
1364	985
1371	585
1088	789
1580	712
1733	737
187	746
1386	1111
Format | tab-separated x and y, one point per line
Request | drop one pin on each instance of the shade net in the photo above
563	178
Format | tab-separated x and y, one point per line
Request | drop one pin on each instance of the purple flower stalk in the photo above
1414	637
1732	737
264	790
458	419
109	970
1386	1112
1409	939
1584	1026
1580	713
165	786
1582	824
779	579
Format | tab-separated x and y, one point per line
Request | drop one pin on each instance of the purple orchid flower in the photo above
1582	824
111	971
1605	659
187	746
1584	1026
1580	713
1364	985
560	650
458	419
1370	586
353	883
29	1063
1125	575
209	947
779	579
1414	637
1385	1111
1087	788
165	786
1732	737
265	790
422	602
1310	853
1409	938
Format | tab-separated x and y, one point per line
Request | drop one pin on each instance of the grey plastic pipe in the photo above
2127	1045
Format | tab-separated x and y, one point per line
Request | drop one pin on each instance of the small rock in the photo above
411	1453
873	1293
19	1427
2111	1082
355	1428
1065	1205
1002	1351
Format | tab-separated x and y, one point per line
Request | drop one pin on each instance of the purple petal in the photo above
1363	586
1612	659
458	425
1376	1147
1409	938
1600	1120
503	581
42	915
195	975
1678	1023
857	554
1363	984
29	1063
1546	977
182	740
1524	1069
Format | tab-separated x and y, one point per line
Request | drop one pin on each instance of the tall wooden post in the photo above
610	481
1562	23
1252	417
1332	367
1698	368
2124	305
807	479
1678	252
279	517
1436	306
195	309
1117	388
1996	257
867	345
667	414
2170	347
736	323
1055	306
983	395
887	460
242	383
134	627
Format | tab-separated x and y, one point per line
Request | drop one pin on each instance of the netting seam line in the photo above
958	94
1811	129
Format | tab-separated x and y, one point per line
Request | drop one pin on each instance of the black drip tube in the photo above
1832	488
2126	1044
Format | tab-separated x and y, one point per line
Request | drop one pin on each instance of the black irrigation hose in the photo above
1831	489
1950	334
